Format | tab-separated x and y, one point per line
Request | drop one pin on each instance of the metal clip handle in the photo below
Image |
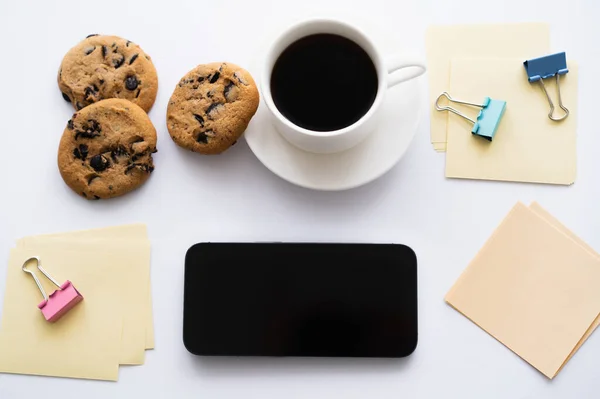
37	281
560	104
450	109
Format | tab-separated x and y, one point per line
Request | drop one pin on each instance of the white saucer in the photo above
370	159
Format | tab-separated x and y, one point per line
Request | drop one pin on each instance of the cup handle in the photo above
417	68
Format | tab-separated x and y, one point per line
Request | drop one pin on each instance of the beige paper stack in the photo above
533	287
113	324
472	62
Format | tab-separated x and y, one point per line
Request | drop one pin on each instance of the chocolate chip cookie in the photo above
211	107
106	149
103	67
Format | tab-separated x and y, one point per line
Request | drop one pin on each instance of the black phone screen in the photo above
278	299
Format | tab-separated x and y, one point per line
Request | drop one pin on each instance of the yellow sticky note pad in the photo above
528	146
101	238
85	342
443	43
533	288
133	257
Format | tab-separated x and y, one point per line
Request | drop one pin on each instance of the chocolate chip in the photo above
104	51
231	91
128	43
201	78
89	130
101	81
91	179
84	194
89	50
210	94
91	91
67	99
117	62
240	79
215	77
133	58
119	152
199	119
83	150
131	83
114	44
204	136
93	34
154	151
85	135
110	187
99	163
129	167
96	197
147	57
141	166
70	124
138	93
212	109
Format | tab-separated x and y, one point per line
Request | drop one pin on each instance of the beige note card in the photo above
133	259
537	208
124	234
84	343
528	146
532	288
443	43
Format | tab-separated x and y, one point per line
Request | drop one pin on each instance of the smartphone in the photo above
300	299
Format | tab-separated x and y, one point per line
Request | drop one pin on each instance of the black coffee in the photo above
324	82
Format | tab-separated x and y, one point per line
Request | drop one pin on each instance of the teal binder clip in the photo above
488	118
546	67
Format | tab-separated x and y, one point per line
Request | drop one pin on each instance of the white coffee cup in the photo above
337	140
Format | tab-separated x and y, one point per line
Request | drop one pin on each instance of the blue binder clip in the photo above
546	67
488	118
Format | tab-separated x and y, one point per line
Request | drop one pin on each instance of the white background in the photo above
192	198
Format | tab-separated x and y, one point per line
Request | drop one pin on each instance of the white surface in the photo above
191	198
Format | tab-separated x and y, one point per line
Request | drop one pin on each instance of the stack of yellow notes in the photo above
113	324
472	62
533	287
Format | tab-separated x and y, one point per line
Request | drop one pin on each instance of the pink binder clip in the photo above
53	307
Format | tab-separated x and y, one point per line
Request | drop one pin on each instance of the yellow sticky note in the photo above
84	343
532	288
133	257
525	40
528	146
114	233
